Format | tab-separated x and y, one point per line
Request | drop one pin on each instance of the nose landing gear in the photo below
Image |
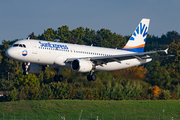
25	67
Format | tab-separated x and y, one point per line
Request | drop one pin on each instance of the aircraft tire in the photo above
55	78
58	78
88	77
25	73
93	77
43	68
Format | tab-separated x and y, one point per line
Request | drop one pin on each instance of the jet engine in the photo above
80	65
32	68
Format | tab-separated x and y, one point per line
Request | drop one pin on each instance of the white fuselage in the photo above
56	53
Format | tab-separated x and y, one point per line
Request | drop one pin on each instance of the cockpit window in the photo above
19	45
15	45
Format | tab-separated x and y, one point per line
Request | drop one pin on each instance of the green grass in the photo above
106	110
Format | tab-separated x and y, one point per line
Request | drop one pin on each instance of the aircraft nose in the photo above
10	53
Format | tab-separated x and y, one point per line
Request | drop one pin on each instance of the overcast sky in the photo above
19	18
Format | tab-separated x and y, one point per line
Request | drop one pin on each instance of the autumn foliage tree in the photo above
155	91
158	79
137	73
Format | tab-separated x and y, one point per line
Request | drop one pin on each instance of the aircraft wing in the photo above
118	58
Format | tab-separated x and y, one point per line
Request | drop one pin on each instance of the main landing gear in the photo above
58	77
91	76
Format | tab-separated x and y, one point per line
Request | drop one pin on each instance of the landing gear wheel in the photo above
25	67
25	72
55	78
88	77
93	77
58	78
43	68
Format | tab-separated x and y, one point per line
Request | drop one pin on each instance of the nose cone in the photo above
11	53
8	52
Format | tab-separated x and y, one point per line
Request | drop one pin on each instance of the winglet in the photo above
166	50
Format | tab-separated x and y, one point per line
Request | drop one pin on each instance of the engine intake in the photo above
80	65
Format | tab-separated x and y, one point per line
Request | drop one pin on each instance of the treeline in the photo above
159	79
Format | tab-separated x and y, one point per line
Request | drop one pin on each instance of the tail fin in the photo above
137	41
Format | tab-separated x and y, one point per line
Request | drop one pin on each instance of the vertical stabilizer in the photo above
138	39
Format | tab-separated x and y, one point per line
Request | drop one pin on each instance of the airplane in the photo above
35	55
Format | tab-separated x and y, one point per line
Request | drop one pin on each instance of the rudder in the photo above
137	41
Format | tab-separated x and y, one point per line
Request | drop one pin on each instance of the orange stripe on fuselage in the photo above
128	47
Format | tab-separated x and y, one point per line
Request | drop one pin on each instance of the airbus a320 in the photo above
35	55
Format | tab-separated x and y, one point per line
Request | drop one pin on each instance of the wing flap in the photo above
118	58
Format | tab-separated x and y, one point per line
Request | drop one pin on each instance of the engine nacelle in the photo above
32	68
81	65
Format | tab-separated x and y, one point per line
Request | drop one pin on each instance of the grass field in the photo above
106	110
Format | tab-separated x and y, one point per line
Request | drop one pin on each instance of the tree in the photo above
26	80
159	76
137	73
32	36
63	33
155	91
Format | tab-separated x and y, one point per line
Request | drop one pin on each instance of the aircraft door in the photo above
36	57
34	47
